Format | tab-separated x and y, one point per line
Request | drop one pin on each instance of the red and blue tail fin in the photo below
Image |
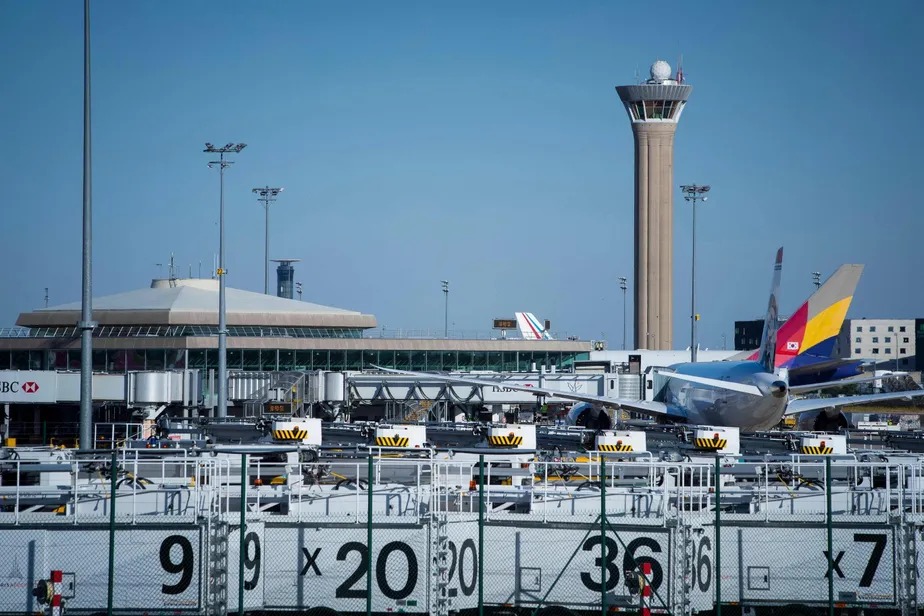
809	335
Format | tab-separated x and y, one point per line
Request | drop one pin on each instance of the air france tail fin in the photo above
767	351
531	328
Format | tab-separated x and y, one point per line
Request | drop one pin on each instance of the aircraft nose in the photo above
778	389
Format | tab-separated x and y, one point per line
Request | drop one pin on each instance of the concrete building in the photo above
654	109
891	343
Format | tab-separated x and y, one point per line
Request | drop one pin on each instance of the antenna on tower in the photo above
680	69
46	297
171	269
636	75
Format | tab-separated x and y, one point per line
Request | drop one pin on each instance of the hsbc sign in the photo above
25	386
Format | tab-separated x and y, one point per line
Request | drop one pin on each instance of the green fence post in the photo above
369	537
718	531
829	525
481	535
242	555
603	563
113	473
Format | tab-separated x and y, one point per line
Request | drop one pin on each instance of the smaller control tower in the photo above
285	277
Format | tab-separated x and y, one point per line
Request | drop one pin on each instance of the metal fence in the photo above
206	533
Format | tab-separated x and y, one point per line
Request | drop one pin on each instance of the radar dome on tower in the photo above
660	71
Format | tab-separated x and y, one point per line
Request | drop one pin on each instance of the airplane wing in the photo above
653	409
816	404
801	389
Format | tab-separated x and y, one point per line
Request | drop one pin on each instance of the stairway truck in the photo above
621	441
400	436
718	439
303	431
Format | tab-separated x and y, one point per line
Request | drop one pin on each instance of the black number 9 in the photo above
252	563
184	567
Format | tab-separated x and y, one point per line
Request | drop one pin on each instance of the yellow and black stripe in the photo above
817	450
619	448
710	443
295	434
392	441
511	440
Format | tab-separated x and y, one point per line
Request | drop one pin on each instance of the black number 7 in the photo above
879	542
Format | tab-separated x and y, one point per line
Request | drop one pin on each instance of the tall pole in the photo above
86	324
267	195
222	327
446	310
623	286
693	193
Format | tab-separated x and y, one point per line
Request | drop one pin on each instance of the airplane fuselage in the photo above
712	405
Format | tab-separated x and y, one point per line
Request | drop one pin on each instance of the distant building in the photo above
891	343
748	334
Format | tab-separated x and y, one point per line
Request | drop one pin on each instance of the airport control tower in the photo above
285	277
654	109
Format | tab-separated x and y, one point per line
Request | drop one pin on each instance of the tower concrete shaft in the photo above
654	109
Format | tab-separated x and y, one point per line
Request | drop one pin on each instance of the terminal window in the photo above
901	328
858	339
859	328
872	328
891	329
888	351
875	338
902	351
888	338
857	351
875	351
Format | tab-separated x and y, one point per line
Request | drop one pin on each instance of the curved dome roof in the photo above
194	301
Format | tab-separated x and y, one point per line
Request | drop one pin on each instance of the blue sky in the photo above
479	142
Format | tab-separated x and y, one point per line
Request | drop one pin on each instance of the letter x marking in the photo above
836	564
311	564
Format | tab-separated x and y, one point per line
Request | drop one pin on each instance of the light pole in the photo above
86	323
267	196
816	279
693	193
222	326
445	284
623	286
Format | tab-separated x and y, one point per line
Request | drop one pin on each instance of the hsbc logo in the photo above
13	387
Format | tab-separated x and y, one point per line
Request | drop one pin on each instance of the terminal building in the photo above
173	325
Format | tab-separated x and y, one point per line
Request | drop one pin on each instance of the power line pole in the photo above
222	326
267	195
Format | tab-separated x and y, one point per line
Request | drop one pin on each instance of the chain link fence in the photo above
377	535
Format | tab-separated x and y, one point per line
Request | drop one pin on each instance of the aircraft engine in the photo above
829	420
778	389
589	416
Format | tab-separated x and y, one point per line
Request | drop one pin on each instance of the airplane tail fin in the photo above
808	336
531	328
767	351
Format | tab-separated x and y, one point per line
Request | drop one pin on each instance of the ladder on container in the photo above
440	601
217	566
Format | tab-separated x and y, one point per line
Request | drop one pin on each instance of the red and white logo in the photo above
30	387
